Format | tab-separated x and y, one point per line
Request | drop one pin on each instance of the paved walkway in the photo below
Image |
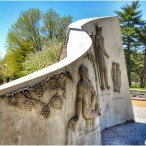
140	114
131	133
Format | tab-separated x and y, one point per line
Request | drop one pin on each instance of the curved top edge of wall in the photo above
79	50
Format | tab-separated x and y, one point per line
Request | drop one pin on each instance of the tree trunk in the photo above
8	79
128	61
1	81
144	67
141	81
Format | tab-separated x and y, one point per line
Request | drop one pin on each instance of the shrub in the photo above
40	59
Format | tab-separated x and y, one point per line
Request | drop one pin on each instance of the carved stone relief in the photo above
87	101
38	89
57	102
91	58
46	111
100	54
116	76
30	97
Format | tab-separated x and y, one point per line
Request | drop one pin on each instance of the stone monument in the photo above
72	101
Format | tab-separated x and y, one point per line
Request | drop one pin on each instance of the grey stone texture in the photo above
47	120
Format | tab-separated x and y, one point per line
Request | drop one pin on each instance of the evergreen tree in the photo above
141	33
130	20
137	64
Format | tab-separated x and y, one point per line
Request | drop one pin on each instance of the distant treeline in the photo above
34	42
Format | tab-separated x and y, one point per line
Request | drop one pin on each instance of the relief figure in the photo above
116	76
100	54
87	102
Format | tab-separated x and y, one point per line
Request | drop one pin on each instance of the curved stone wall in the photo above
71	101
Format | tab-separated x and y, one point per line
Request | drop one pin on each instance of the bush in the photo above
40	59
135	85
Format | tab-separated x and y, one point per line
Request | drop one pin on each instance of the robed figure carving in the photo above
116	76
100	54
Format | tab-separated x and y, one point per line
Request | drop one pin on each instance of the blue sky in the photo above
10	10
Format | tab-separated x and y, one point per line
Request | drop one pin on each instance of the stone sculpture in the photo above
38	89
87	102
118	71
100	54
91	58
27	98
46	111
116	76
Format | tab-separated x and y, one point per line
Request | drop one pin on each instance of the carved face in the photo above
114	64
83	71
99	29
117	65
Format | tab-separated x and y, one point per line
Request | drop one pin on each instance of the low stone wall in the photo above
138	93
71	101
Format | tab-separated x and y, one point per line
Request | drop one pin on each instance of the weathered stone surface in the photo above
86	109
116	107
39	108
116	76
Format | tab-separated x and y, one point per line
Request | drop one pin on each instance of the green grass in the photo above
136	86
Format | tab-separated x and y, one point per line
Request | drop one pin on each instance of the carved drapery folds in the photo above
100	54
87	101
116	76
30	97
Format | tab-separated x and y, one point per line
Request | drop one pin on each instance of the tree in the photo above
30	34
27	28
137	64
141	33
55	26
130	20
40	59
4	71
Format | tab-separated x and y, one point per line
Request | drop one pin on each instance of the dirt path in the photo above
141	103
